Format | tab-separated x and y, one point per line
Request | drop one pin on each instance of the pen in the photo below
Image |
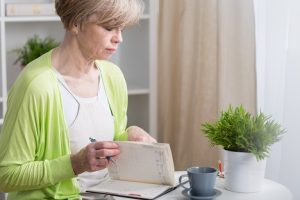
109	158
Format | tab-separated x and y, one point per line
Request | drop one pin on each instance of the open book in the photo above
142	170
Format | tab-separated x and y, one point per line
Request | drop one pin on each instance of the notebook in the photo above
142	170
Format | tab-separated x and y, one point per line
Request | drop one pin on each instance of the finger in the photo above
102	162
109	161
148	139
153	140
105	145
98	164
103	153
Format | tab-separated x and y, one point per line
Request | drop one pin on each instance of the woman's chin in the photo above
105	57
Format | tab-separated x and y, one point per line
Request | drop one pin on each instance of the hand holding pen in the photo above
95	156
109	158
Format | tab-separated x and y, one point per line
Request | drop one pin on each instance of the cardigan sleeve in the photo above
120	103
27	161
116	90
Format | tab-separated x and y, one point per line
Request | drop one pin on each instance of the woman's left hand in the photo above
136	133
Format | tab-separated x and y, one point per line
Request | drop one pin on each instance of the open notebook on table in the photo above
142	170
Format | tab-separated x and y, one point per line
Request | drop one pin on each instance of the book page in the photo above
134	189
131	189
144	162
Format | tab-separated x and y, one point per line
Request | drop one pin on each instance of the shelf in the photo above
138	91
31	19
43	18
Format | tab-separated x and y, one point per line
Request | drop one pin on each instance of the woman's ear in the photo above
75	29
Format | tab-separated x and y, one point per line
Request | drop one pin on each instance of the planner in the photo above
142	170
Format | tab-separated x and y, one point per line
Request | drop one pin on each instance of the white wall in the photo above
278	70
290	161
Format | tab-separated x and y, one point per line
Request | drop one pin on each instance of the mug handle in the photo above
183	183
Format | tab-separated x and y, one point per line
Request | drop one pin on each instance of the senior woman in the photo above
63	99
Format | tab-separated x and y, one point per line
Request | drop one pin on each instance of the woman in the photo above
63	100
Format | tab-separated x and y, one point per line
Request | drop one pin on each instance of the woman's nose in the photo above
117	38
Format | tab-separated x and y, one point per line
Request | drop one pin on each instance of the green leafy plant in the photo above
238	130
34	48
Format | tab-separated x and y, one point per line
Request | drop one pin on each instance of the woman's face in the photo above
97	42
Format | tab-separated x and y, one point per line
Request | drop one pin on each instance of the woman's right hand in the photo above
94	157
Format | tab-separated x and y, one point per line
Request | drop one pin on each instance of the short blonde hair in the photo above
111	13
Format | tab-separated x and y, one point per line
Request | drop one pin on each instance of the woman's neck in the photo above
68	59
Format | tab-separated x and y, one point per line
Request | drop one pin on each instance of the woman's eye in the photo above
113	29
108	29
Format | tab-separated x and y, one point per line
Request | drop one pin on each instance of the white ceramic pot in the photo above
243	173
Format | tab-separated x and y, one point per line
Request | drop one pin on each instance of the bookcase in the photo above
136	57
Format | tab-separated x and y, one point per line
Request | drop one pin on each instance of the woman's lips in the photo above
111	50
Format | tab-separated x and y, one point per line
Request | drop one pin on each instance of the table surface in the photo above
270	191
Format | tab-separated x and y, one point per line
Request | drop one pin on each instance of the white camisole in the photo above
87	117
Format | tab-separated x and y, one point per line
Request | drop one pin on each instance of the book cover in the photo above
142	170
30	9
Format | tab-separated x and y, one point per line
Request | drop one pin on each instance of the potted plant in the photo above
246	140
34	48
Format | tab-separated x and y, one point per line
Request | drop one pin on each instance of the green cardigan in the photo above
34	142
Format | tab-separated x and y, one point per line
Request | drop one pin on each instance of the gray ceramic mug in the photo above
202	180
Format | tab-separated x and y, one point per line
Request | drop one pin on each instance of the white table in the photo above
270	191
